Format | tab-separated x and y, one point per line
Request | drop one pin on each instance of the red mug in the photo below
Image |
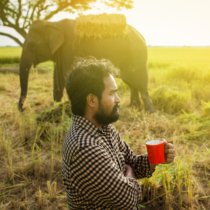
155	150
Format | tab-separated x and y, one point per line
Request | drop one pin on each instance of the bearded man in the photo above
99	169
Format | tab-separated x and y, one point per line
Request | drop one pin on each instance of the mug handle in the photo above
164	141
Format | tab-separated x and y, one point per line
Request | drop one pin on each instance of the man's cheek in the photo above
110	109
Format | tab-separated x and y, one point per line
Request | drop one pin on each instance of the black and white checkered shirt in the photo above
93	168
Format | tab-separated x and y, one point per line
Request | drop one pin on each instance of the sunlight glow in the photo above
162	22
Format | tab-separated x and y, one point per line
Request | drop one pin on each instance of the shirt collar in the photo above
87	125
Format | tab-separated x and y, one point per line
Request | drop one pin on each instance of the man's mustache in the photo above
116	106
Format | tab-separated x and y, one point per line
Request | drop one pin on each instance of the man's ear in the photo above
92	100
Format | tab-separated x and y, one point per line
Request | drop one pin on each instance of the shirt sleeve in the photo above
97	177
139	163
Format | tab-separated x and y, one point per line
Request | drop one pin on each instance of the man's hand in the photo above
129	172
169	152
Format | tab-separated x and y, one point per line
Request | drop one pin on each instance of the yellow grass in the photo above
10	51
31	151
184	70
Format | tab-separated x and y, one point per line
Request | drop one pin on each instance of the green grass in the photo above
9	60
10	51
10	55
31	142
184	70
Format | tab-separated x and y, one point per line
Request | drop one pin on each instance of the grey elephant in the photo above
57	41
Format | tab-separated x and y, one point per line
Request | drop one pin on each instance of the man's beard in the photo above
104	119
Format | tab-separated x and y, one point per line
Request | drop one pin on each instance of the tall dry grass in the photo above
31	142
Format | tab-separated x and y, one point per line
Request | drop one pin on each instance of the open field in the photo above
10	55
10	51
31	142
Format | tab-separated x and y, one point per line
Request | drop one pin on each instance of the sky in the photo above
161	22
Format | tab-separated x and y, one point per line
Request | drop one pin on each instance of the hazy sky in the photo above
161	22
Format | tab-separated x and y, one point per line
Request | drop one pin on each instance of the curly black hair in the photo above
86	77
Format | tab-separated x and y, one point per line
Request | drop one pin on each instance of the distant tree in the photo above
19	14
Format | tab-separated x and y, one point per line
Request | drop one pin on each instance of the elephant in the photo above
57	41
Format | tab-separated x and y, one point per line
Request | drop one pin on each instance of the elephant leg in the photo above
148	105
134	95
138	81
58	84
135	101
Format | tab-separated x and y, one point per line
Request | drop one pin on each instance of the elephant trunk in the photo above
25	65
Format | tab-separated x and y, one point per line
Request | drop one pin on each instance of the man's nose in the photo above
117	99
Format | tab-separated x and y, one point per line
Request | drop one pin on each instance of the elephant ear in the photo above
55	37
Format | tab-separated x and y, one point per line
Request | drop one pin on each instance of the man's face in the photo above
108	109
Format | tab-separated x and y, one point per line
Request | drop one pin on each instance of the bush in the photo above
56	113
171	100
9	60
206	109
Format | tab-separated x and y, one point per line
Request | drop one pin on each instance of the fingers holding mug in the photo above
169	153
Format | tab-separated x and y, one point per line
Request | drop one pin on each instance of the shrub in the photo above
171	100
158	65
206	109
9	60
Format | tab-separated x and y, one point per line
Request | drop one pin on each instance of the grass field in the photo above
31	142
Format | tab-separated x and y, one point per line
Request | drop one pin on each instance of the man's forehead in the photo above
110	82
